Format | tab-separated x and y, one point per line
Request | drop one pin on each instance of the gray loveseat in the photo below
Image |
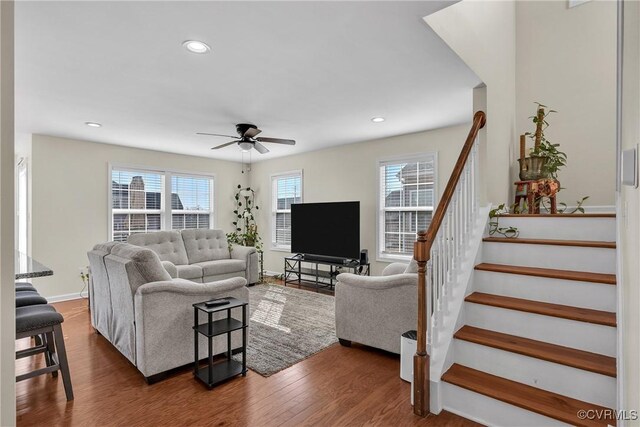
200	255
376	311
146	314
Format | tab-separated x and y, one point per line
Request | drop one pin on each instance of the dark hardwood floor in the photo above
336	387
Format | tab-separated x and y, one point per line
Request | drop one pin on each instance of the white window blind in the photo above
140	201
286	190
191	202
136	202
407	199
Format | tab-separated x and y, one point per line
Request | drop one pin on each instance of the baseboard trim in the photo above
272	273
65	297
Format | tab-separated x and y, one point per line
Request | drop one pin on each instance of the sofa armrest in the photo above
377	282
171	269
164	317
242	252
394	268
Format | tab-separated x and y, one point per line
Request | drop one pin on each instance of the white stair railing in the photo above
447	249
439	251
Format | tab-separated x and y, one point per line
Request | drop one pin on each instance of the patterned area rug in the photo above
287	325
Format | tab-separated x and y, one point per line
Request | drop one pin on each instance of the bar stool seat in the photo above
24	286
26	298
43	319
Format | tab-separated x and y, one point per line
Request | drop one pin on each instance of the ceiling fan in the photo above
248	140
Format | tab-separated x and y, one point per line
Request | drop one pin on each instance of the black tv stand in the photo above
296	272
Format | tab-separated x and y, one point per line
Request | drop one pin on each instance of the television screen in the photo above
327	229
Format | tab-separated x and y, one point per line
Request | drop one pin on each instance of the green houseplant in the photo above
245	228
545	153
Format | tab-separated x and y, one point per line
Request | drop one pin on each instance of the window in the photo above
139	202
191	202
286	189
406	203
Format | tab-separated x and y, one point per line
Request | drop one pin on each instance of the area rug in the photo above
286	326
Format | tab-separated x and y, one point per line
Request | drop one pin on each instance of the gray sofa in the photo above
146	314
376	311
200	255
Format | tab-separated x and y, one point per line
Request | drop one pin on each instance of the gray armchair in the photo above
376	311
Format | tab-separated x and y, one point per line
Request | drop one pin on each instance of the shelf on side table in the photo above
222	371
221	326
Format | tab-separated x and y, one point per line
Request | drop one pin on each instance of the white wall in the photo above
566	59
629	221
483	34
349	172
70	185
527	51
7	289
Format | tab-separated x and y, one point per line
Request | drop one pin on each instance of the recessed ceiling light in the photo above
93	124
196	46
377	119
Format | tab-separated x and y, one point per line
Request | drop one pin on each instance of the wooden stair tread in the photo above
553	242
580	359
544	308
581	276
532	399
586	215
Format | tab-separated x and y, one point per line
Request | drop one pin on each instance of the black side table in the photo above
214	374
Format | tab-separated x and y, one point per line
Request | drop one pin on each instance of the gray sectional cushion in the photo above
205	245
145	261
412	267
222	266
167	244
189	271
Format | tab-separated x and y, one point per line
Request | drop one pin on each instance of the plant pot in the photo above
532	168
249	242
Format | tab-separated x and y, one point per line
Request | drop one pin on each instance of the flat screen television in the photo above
326	230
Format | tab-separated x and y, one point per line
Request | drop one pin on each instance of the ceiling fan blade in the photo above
277	140
224	145
261	148
251	132
215	134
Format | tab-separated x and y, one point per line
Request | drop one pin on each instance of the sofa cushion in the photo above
189	272
167	244
412	267
222	266
205	245
146	263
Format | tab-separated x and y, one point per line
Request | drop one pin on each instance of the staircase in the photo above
537	341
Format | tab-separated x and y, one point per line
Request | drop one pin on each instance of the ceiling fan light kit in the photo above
249	139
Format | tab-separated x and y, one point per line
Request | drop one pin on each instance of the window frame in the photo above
165	210
381	210
274	206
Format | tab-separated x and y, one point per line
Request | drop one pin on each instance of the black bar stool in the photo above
43	319
25	286
25	298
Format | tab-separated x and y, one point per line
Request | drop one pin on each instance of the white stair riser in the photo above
597	296
488	411
594	260
564	380
569	333
601	229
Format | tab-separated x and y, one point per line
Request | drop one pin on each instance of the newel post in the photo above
421	358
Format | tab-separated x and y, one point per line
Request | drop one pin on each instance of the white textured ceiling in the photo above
316	72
